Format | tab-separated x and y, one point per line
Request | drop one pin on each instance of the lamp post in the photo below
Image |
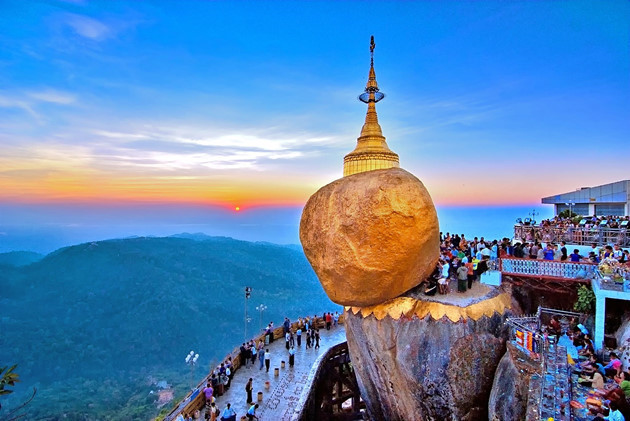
248	293
191	360
261	308
533	214
570	205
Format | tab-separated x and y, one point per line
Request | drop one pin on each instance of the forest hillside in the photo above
96	325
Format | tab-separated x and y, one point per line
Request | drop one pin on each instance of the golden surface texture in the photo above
371	236
408	307
371	152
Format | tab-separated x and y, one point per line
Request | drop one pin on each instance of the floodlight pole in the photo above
261	308
248	293
191	360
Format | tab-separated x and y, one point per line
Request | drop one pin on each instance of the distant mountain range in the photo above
92	325
19	258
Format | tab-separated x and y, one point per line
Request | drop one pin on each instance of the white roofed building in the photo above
607	199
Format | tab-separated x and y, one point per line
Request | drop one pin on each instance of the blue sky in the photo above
254	103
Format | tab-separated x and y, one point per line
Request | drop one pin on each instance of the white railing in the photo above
572	235
548	268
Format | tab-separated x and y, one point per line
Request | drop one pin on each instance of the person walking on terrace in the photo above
249	387
267	359
254	353
291	357
261	358
462	278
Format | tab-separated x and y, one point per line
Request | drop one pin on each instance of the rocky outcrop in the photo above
371	236
431	367
508	398
623	341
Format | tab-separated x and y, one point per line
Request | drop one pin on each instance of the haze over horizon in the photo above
151	114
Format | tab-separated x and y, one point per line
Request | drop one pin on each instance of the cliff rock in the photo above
623	341
418	360
508	398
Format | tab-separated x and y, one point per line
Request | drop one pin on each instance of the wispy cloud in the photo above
28	101
88	27
53	96
176	148
11	102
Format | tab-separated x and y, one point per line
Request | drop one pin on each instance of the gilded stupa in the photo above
372	234
372	237
372	152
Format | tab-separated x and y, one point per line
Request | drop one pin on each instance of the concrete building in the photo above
607	199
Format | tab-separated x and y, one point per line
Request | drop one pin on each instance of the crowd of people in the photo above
607	221
610	254
610	383
304	329
463	261
578	230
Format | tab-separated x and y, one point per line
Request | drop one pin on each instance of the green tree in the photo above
585	302
8	378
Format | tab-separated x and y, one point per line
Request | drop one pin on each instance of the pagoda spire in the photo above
371	152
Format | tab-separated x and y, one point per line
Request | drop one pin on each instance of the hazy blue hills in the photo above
94	324
19	258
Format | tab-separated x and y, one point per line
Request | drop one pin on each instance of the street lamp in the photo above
191	360
533	214
261	308
248	293
570	205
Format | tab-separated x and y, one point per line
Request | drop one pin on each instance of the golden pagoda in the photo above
372	152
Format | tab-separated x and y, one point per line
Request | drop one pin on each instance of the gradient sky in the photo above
254	103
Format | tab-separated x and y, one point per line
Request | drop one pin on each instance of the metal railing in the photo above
318	398
572	235
195	399
547	268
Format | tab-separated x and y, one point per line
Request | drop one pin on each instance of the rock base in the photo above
419	360
508	398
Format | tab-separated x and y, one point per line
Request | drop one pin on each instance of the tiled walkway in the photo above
285	389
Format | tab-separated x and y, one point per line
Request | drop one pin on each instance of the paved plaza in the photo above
285	389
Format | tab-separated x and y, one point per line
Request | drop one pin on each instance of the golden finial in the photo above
372	152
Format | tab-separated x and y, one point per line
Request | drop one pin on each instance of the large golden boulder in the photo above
371	236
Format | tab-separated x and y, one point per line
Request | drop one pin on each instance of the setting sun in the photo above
237	209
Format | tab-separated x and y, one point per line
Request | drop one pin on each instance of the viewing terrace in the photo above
579	235
321	385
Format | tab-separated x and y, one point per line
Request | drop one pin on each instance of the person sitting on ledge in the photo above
624	384
613	415
228	414
613	368
596	380
251	412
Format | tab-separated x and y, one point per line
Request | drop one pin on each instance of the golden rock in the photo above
371	236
